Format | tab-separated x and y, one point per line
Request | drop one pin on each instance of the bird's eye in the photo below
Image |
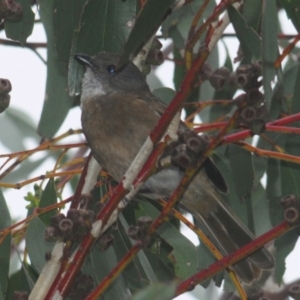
111	69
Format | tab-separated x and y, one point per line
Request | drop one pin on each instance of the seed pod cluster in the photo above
155	56
291	206
10	10
246	77
104	242
254	114
186	151
5	88
71	227
139	232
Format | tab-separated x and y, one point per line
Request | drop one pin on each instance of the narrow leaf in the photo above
270	50
250	41
242	170
5	246
146	24
36	245
57	101
156	291
292	10
21	30
104	25
48	198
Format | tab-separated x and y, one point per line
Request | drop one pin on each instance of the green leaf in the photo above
31	275
66	20
284	246
5	246
273	190
13	120
296	94
242	170
172	21
179	70
36	245
178	24
261	213
207	92
103	263
284	91
104	25
147	23
17	281
21	30
164	94
148	269
156	291
57	100
290	176
252	13
223	163
135	274
48	198
250	41
184	254
270	49
206	258
292	10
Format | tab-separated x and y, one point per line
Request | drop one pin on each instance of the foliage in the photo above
248	148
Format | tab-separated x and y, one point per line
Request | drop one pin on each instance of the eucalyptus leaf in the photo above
270	49
17	281
238	206
165	94
292	10
147	23
184	253
57	100
284	245
283	92
156	291
21	30
12	121
252	13
48	198
135	275
104	25
66	20
103	263
5	246
36	245
242	170
250	41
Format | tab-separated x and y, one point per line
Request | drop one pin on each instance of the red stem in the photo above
233	258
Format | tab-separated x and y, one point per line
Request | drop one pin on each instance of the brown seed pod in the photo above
289	201
180	156
291	215
248	114
255	97
4	102
52	234
5	86
20	295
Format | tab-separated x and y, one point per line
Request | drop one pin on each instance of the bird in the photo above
118	113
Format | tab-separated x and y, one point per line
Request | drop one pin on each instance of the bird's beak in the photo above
84	59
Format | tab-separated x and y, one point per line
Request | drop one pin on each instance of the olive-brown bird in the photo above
118	113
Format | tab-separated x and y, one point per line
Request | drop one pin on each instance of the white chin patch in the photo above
91	86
